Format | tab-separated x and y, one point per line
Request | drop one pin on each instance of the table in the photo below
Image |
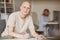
54	26
52	22
22	39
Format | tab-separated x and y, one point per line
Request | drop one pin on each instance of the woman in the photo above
43	20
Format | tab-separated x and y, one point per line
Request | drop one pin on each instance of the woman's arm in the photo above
32	30
13	34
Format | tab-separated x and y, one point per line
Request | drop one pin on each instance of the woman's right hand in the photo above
26	35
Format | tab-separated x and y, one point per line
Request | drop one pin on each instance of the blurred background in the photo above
9	6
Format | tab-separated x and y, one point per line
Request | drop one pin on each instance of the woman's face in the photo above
46	13
25	8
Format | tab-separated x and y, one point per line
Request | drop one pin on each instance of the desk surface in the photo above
52	23
22	39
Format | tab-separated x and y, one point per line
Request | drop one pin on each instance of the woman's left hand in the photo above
41	37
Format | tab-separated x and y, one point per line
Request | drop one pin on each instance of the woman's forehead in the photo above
26	3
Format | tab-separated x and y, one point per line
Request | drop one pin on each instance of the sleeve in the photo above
31	26
11	21
41	21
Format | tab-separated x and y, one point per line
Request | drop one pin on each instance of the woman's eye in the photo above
28	8
24	7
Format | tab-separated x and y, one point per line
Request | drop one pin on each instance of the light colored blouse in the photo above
42	23
19	25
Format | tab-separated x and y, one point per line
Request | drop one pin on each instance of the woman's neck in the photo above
22	16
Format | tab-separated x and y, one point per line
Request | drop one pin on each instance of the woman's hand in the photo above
26	35
41	37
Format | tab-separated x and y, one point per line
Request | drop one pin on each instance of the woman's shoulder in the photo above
14	13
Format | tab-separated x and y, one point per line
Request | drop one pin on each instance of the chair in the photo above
2	26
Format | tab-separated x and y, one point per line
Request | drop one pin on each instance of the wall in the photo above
39	6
